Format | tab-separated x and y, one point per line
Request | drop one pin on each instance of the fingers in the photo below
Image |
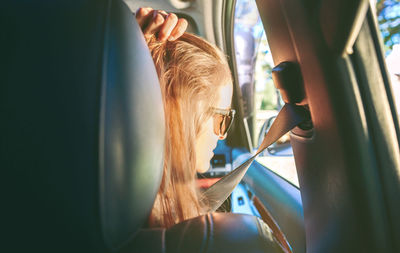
167	27
179	29
164	13
154	24
158	22
143	16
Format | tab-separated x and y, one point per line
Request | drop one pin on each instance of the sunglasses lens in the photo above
218	122
222	123
227	124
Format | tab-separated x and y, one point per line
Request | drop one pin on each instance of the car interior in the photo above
83	131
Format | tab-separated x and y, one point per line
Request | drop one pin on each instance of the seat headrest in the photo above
84	124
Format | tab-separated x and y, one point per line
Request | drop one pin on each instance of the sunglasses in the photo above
223	119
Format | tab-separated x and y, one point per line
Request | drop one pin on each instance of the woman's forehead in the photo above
225	96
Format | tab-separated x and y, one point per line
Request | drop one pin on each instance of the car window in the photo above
261	100
388	15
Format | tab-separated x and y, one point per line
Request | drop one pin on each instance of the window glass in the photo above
388	14
260	98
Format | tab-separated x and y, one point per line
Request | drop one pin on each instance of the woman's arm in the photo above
165	26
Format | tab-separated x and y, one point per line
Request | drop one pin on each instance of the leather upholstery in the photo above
83	125
131	128
214	232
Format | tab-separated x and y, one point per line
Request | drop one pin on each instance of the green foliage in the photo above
269	96
388	12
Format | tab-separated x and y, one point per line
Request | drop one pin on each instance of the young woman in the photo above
196	85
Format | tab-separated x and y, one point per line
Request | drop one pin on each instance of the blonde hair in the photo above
190	71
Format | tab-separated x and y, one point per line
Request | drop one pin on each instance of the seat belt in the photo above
289	117
288	80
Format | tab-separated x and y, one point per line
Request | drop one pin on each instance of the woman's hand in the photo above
157	22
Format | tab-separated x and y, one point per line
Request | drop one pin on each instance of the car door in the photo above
348	163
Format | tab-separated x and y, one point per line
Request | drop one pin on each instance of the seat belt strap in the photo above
289	117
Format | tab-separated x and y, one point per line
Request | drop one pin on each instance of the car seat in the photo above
83	138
